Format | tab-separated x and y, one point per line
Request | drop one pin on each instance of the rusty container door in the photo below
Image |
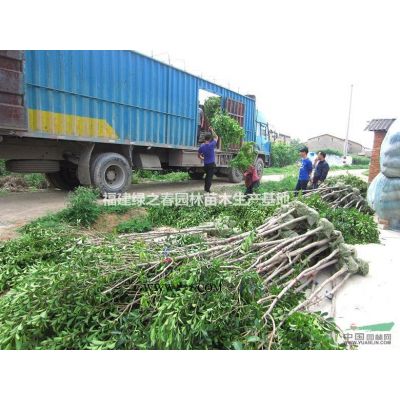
12	110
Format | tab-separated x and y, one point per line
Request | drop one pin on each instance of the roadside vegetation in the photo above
285	155
10	182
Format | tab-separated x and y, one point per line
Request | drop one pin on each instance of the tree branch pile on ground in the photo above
286	252
342	196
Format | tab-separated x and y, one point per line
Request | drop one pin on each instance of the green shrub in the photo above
361	160
82	208
333	152
356	227
283	154
37	181
135	225
286	184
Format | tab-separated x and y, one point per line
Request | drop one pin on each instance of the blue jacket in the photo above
305	169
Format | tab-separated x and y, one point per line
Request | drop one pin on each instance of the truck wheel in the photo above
197	176
259	165
234	175
65	178
111	173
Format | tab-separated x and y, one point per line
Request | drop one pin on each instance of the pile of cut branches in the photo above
287	251
342	196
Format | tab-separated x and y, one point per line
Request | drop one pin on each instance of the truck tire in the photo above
66	178
111	173
197	176
234	175
259	165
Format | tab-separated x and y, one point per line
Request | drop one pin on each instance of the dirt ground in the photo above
18	208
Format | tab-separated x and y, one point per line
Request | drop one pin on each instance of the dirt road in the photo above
16	209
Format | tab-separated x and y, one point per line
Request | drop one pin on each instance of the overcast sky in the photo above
298	57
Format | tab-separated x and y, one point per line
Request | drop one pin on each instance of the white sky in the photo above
298	57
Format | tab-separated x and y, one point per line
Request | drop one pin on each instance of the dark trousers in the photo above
198	133
250	189
301	185
209	169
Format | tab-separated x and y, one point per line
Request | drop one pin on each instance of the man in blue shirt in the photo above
206	152
304	172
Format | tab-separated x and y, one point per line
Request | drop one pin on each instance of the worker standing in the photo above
304	172
206	153
321	170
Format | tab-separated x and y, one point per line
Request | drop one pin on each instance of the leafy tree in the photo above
283	154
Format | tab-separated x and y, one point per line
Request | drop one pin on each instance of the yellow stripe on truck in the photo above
69	125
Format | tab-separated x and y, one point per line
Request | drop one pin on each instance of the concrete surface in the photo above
371	299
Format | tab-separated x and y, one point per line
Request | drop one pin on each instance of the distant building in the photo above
327	141
279	137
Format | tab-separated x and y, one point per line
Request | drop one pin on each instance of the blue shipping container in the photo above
119	97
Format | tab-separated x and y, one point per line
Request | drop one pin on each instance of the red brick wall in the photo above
374	167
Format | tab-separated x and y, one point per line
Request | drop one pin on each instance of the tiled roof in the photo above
379	124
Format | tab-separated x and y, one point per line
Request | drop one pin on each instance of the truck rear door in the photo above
12	110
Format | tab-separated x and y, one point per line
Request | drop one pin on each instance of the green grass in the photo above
294	169
288	170
135	225
348	167
159	176
287	184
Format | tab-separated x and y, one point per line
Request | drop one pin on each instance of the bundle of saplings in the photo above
340	195
350	180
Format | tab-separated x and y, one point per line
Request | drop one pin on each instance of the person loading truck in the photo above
206	153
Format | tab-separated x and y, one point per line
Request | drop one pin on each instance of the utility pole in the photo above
346	141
